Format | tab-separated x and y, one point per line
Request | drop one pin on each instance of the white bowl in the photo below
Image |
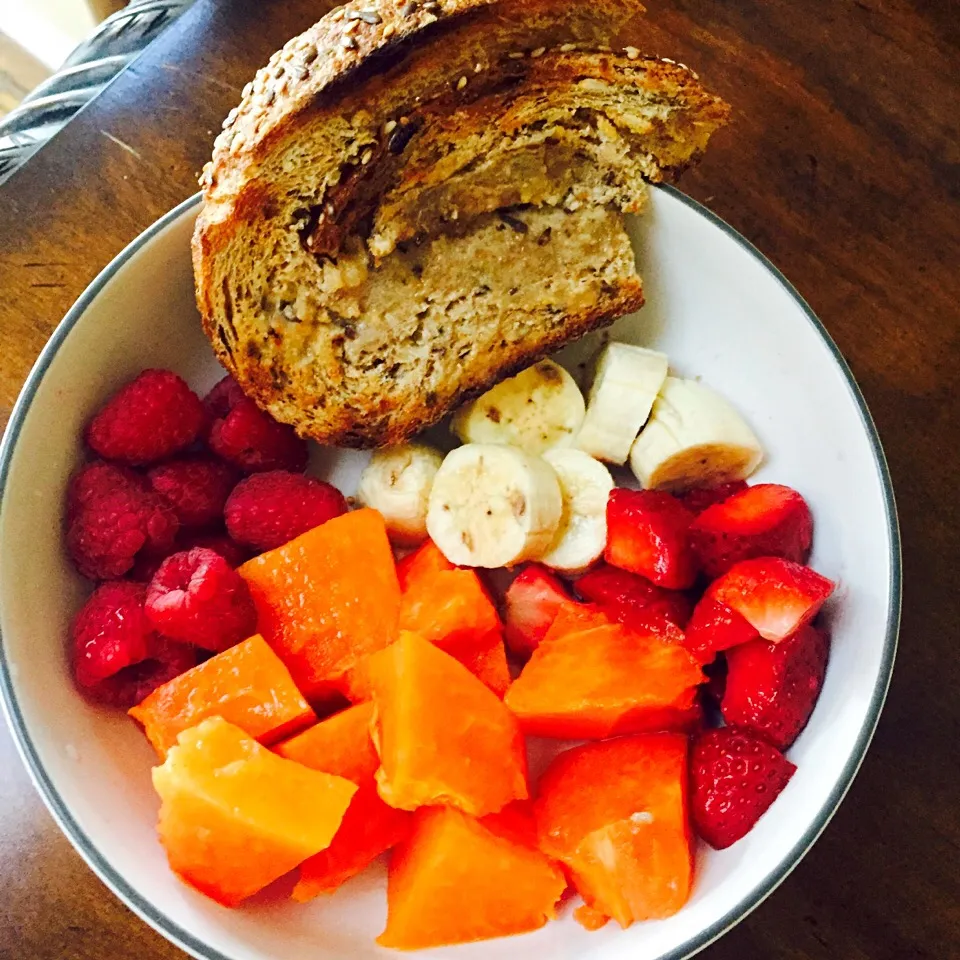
721	312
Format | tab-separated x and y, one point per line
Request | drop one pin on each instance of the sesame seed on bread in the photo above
414	199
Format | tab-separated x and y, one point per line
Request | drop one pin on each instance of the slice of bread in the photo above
414	200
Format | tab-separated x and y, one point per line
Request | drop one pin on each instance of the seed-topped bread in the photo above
415	199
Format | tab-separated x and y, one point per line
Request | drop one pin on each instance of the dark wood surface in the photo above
843	165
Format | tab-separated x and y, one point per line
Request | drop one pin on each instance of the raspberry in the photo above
152	417
197	597
270	509
230	550
222	398
253	441
196	487
111	518
165	660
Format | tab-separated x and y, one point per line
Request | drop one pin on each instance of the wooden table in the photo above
843	165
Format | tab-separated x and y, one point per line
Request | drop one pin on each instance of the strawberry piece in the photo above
774	595
715	627
622	593
699	498
768	520
531	605
647	533
772	688
734	777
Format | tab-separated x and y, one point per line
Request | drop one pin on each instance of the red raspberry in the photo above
152	417
253	441
222	398
230	550
196	487
117	657
197	597
111	519
268	510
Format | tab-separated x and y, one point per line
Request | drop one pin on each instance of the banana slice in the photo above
585	485
625	384
493	506
694	438
540	408
397	482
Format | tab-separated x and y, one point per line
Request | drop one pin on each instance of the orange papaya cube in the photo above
454	881
488	663
573	617
341	745
604	682
327	599
515	822
369	828
449	608
234	816
616	814
423	562
247	685
442	736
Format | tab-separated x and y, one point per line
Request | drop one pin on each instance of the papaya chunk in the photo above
234	816
616	814
341	745
573	617
246	684
454	881
603	682
442	736
425	561
327	599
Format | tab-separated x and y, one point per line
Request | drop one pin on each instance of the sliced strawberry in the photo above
776	596
699	498
647	533
614	590
715	627
772	688
734	777
530	607
768	520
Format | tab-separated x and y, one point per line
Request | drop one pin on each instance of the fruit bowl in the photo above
721	312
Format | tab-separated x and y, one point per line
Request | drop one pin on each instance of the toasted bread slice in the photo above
373	252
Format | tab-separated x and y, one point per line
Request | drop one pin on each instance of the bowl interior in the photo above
719	311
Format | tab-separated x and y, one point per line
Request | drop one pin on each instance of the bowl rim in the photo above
186	941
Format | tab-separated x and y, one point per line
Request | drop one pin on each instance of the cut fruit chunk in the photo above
648	534
540	408
775	596
624	594
327	599
530	605
625	385
694	438
422	562
234	816
247	685
772	688
575	617
615	813
605	682
766	520
699	498
455	881
341	745
442	736
715	627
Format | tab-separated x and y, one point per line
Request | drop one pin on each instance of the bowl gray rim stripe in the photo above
185	940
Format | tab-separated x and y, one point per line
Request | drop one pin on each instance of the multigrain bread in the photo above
414	200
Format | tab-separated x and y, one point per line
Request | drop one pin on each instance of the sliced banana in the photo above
585	486
492	506
694	438
397	482
625	384
538	409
